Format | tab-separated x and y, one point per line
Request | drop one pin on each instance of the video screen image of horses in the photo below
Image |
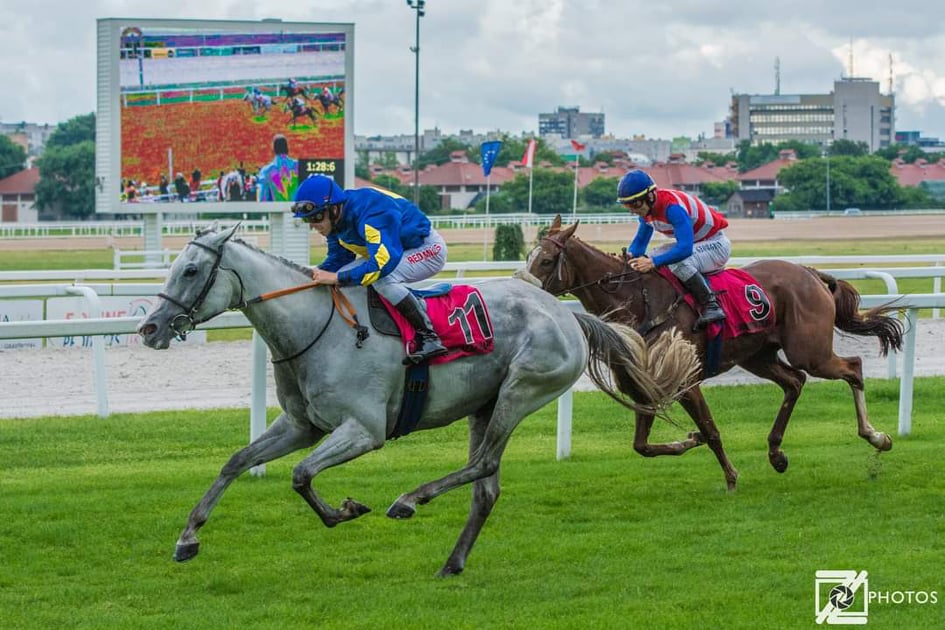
212	103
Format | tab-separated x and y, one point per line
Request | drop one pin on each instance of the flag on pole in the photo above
578	146
529	158
489	152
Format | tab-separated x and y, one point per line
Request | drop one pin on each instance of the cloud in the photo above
661	69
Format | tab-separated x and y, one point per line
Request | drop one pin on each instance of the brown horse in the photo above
807	304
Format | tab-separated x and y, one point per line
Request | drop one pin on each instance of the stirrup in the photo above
707	318
425	354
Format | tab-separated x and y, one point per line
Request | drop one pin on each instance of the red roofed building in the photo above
930	176
18	197
460	181
766	175
918	172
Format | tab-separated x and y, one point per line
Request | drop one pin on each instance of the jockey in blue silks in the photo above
379	239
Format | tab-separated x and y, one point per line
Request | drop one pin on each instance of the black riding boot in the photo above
427	345
711	311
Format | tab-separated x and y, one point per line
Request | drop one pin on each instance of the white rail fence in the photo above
97	327
259	222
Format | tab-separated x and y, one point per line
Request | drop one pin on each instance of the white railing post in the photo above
908	368
98	348
565	409
936	288
892	289
257	411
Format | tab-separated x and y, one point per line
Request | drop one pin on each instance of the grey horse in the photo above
346	398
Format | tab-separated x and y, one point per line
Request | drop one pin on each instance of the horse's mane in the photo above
284	261
611	258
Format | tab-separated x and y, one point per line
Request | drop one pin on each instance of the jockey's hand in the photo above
642	264
320	276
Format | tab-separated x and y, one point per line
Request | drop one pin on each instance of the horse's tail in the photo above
643	378
871	323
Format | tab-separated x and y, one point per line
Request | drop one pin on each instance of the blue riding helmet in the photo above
315	194
634	185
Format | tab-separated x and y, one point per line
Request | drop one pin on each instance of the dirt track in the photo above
219	374
739	230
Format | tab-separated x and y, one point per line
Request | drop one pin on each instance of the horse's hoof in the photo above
400	510
448	571
779	462
697	436
353	509
186	551
886	443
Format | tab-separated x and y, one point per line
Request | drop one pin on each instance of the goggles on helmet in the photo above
308	211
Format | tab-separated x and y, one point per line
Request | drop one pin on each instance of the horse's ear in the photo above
555	225
228	234
569	232
213	227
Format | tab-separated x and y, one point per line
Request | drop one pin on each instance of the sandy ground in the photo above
59	381
818	228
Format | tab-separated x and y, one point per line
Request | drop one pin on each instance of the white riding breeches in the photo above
416	264
709	255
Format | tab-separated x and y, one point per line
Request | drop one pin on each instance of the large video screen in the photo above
219	113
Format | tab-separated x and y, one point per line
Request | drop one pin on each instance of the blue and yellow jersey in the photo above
378	227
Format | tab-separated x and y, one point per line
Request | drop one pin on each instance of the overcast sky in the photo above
659	69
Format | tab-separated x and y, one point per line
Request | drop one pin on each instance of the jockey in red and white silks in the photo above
699	244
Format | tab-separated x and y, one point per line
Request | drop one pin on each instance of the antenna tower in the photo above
891	84
851	58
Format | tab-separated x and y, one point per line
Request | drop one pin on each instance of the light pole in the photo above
827	155
417	5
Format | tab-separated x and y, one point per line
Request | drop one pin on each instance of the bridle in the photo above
609	282
187	320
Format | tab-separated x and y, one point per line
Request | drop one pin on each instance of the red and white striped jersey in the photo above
706	220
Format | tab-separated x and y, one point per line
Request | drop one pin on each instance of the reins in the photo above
607	279
340	303
609	283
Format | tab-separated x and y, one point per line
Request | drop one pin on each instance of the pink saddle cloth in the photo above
459	317
746	305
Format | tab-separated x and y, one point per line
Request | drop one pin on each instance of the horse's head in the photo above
191	294
546	265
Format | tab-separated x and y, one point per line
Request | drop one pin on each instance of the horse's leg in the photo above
521	394
485	493
694	403
768	365
641	435
281	438
350	440
850	369
811	349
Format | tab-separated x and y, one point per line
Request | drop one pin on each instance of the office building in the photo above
855	111
569	122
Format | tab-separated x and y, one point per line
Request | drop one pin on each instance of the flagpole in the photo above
485	232
577	164
531	172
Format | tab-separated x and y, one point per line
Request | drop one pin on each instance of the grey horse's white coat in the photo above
346	399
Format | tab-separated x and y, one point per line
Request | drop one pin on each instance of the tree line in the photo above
857	178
